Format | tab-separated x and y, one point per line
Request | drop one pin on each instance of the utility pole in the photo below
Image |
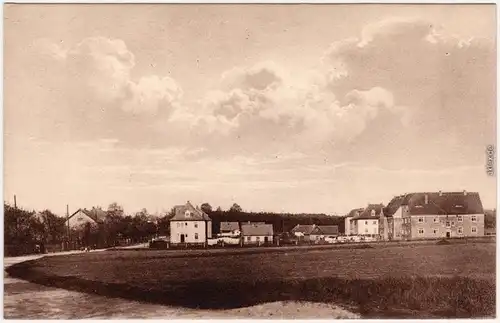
15	202
67	220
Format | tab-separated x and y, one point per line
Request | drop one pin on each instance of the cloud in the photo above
444	88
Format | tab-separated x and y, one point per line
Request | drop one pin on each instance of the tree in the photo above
219	209
235	208
207	208
54	227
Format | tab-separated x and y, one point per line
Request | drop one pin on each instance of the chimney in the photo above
440	193
426	199
465	192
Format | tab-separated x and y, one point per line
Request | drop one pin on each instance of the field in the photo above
420	281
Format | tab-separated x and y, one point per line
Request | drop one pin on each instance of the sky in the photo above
284	108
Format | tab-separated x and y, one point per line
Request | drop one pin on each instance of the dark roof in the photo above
367	212
304	228
194	214
229	226
355	212
93	215
437	203
256	229
327	229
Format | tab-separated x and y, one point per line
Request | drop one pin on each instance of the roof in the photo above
257	229
188	212
438	203
229	226
327	229
304	228
367	212
93	214
355	212
489	230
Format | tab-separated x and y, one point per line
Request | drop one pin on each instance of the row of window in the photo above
185	224
266	239
436	231
460	218
374	222
185	236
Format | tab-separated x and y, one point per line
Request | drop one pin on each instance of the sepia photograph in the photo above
249	161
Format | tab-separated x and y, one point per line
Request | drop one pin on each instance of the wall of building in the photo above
367	227
78	220
257	239
437	226
193	231
347	226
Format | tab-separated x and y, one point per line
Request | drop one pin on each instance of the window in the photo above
435	231
374	222
448	224
420	220
436	220
196	236
186	224
187	214
420	231
196	225
178	225
460	230
258	238
249	238
453	223
366	222
366	230
473	218
474	230
460	218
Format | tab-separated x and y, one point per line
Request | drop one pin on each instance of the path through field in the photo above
24	300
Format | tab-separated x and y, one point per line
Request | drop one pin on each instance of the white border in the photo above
262	2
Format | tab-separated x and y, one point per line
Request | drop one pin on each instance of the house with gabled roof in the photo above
82	216
427	215
257	233
366	223
303	231
230	228
321	231
190	225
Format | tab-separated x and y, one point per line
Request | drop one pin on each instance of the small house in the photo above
322	231
257	233
303	231
230	229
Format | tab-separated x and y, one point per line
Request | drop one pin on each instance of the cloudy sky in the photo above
300	108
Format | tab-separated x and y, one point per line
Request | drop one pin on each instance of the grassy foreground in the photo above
420	281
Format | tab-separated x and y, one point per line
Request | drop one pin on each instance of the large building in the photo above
190	225
430	215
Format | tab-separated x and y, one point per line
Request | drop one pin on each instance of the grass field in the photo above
421	281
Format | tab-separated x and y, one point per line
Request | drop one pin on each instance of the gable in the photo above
80	217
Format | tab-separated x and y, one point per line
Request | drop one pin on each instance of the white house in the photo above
257	233
367	222
190	225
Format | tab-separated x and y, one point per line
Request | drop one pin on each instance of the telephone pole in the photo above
15	202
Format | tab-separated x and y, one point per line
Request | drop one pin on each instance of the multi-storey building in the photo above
429	215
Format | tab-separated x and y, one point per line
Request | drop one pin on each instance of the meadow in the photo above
417	281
